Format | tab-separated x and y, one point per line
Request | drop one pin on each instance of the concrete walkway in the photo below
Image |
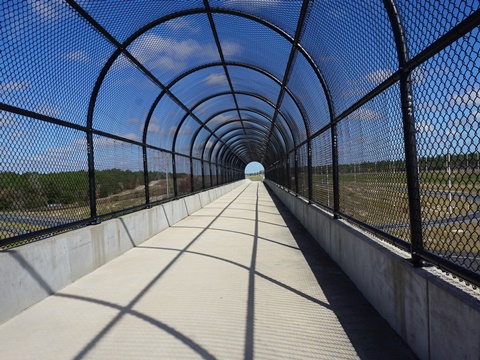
239	279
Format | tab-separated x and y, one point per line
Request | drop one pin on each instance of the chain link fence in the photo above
400	153
369	109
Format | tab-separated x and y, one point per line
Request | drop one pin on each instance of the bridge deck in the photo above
239	279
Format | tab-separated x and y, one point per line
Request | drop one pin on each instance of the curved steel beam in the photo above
238	92
296	102
254	121
280	130
278	146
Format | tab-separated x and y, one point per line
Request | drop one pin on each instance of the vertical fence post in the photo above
296	171
336	180
145	175
174	175
409	131
309	170
91	177
211	176
289	176
192	188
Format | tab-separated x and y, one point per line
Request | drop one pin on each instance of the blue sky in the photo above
254	167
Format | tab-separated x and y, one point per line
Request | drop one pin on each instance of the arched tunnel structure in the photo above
367	109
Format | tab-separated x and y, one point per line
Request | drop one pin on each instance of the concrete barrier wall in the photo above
31	272
436	315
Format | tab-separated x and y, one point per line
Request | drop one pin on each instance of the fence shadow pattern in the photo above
368	109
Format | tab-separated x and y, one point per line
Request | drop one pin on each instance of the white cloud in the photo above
365	114
155	129
16	135
220	119
424	127
166	53
131	136
78	55
231	48
14	86
48	110
378	75
48	10
168	132
470	97
182	23
7	119
216	79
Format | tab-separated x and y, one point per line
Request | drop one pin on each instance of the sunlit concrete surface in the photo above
238	279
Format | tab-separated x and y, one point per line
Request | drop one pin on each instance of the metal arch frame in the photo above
246	120
223	152
276	144
233	121
286	77
205	148
213	64
263	125
269	103
193	107
216	142
441	43
121	48
247	94
222	58
409	132
258	112
209	98
234	138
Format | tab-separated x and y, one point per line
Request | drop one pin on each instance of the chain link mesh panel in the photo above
372	174
302	170
236	34
425	21
200	85
160	175
447	108
322	172
184	179
50	59
206	175
352	42
119	176
121	19
292	171
197	175
43	176
281	13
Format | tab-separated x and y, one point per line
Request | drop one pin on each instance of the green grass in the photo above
254	177
374	198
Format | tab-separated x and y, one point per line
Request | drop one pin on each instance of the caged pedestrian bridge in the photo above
128	229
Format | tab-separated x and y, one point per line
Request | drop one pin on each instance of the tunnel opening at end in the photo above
254	171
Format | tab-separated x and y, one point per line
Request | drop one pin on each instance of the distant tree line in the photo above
32	190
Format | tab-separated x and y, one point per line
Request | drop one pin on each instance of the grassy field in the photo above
254	177
378	199
381	200
123	200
